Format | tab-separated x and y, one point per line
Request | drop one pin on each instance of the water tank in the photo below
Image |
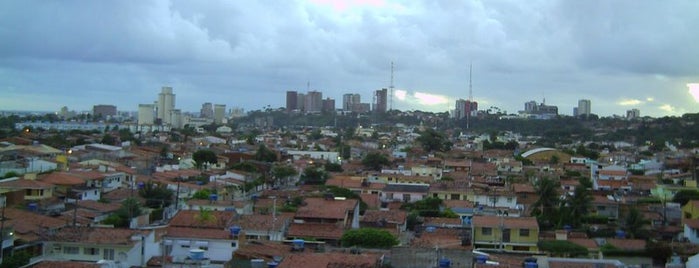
530	263
141	185
444	263
620	234
196	254
430	229
298	244
235	230
272	264
481	259
33	207
567	227
213	197
257	263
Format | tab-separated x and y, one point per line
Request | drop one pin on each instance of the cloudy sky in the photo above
619	54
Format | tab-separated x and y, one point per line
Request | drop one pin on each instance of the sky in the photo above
621	54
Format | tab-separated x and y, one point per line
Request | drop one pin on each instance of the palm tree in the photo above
579	204
549	200
634	222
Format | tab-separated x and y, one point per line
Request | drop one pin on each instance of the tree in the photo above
333	167
129	209
634	222
368	238
205	216
18	259
156	196
108	139
579	205
264	154
684	196
548	202
431	140
313	175
283	172
201	157
375	161
202	194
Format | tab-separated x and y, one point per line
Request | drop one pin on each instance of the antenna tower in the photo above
470	96
391	90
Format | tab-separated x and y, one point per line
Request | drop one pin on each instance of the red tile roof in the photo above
91	235
194	232
391	216
627	244
25	184
330	260
66	264
315	230
30	226
190	218
320	208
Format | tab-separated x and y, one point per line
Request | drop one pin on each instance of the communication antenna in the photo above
470	95
391	89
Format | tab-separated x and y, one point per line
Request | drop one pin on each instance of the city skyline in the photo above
520	51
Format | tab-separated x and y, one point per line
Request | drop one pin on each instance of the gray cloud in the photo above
247	54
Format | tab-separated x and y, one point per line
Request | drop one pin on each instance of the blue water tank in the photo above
213	197
272	264
430	229
567	227
196	254
200	183
444	263
481	259
235	230
531	265
141	185
620	234
33	207
298	244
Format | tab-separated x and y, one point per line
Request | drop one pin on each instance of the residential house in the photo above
394	220
126	247
264	227
33	190
324	219
605	206
513	234
205	230
333	259
690	210
691	230
404	192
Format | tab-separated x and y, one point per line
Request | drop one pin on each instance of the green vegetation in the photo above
202	157
684	196
314	176
368	238
432	141
18	259
157	196
429	207
563	248
375	161
129	209
264	154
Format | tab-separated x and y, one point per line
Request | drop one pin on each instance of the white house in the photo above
691	230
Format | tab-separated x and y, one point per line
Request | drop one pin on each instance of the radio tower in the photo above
390	87
470	95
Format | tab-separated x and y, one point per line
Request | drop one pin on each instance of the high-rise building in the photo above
165	104
301	102
104	110
145	114
465	108
219	113
350	100
583	108
380	100
314	102
291	101
633	114
207	110
176	118
328	105
530	107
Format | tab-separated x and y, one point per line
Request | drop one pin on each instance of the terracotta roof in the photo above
692	223
61	178
585	242
25	184
330	260
30	226
627	244
99	206
509	222
458	204
372	200
315	230
91	235
194	232
261	250
263	222
523	188
321	208
391	216
440	237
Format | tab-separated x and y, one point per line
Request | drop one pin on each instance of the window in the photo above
406	198
455	197
493	199
71	250
509	199
108	254
524	232
91	251
487	231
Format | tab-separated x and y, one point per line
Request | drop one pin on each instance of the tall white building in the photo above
146	114
350	100
165	105
633	114
314	101
584	107
219	113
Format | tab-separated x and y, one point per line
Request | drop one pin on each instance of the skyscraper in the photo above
207	110
314	102
465	108
165	104
584	107
291	101
328	105
350	100
104	110
219	113
380	100
145	114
